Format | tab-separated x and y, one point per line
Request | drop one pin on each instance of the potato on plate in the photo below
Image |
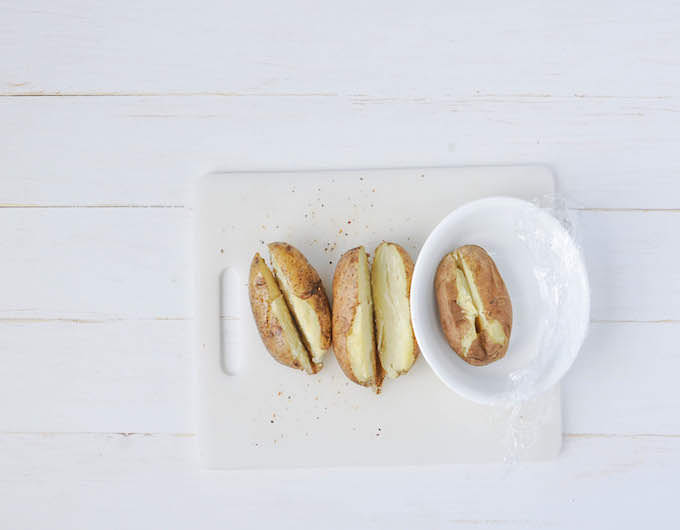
353	333
391	285
306	298
273	319
474	305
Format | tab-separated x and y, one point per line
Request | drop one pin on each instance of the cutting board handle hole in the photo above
230	321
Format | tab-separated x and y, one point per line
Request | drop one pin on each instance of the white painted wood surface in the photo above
109	109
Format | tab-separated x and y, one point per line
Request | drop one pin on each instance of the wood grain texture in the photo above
133	151
99	263
96	375
136	376
400	49
94	305
76	479
95	263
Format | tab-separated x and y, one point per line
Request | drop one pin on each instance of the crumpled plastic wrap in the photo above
527	411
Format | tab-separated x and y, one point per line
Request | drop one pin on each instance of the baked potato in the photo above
391	286
474	305
353	333
304	293
273	319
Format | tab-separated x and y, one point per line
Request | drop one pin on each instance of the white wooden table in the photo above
108	109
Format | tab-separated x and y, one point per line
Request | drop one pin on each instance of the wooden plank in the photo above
630	257
84	263
110	376
624	380
382	49
145	150
136	376
132	480
80	263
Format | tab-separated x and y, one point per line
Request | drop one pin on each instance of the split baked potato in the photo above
306	298
353	328
474	305
273	319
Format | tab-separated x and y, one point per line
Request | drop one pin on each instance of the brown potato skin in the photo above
306	284
408	268
494	295
262	290
345	302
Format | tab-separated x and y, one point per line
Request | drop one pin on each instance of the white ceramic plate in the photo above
546	277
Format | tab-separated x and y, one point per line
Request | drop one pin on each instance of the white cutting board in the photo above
256	413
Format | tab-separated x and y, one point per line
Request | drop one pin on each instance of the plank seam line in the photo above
37	320
102	206
192	435
9	206
223	93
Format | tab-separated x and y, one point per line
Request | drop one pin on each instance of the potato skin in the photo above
492	292
306	284
263	290
345	303
408	268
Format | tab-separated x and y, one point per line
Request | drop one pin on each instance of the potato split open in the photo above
306	298
273	319
353	328
474	305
